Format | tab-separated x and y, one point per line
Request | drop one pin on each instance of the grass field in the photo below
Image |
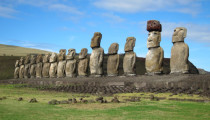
11	109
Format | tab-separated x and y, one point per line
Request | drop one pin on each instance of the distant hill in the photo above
9	50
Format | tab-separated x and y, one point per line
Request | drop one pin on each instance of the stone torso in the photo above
82	67
16	73
33	70
53	70
179	58
113	65
129	62
71	68
45	70
96	61
21	72
39	70
27	71
61	69
154	60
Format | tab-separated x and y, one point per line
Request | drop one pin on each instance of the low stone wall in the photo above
197	84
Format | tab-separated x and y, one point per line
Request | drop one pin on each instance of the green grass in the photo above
11	109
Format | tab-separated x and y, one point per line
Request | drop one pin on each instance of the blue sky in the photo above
63	24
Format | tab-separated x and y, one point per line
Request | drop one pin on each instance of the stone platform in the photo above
108	85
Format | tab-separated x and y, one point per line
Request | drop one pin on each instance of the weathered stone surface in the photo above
83	67
96	40
130	44
21	71
154	39
17	68
154	61
27	67
53	65
179	52
154	25
71	63
113	60
83	63
33	66
83	53
61	64
129	62
113	49
46	66
39	66
96	62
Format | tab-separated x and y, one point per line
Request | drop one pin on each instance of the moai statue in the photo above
155	54
27	67
46	66
179	52
61	63
113	60
39	66
53	65
17	69
21	71
97	55
71	63
33	66
129	60
83	63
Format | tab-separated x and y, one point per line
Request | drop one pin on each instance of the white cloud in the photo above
7	12
112	17
64	8
133	6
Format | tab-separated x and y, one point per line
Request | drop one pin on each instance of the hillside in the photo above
9	50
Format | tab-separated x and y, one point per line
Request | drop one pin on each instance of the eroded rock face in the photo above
53	65
21	71
27	67
33	66
39	66
46	66
61	64
155	54
17	68
179	52
129	59
97	55
71	63
83	63
113	60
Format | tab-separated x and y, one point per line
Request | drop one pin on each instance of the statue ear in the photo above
185	32
159	37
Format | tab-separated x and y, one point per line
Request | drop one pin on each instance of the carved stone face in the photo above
179	34
71	54
62	55
154	39
83	53
46	58
17	63
21	62
130	44
39	58
96	40
27	59
33	59
53	57
113	49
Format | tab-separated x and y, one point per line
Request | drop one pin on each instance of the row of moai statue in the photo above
62	65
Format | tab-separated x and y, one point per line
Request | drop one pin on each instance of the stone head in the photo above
33	59
39	58
46	58
153	39
17	63
130	44
21	61
71	54
179	34
27	59
53	58
62	55
113	49
83	53
96	40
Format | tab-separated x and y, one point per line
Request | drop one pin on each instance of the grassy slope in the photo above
10	108
9	50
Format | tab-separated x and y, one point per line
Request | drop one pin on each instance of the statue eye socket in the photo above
149	34
174	30
155	33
